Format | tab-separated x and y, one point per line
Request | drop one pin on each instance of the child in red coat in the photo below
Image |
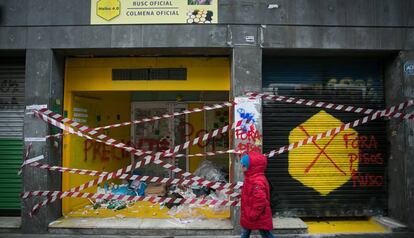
255	198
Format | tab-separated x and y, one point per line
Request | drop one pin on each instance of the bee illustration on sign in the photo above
108	9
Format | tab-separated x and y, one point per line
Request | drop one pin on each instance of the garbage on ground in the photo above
181	213
173	195
209	171
133	188
157	190
186	213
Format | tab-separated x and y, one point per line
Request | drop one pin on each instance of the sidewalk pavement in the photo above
366	235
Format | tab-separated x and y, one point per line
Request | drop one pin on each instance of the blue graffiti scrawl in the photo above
248	116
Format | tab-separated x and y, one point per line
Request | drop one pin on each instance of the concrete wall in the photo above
44	85
184	36
333	24
409	152
386	13
399	88
246	68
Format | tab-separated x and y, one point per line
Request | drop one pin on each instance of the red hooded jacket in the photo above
255	199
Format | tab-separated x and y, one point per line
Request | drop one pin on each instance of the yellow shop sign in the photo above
154	12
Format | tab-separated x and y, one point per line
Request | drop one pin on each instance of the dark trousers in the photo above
263	233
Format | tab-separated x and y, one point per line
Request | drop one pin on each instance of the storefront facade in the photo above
88	63
96	94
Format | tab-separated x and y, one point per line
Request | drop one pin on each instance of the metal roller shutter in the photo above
12	74
341	176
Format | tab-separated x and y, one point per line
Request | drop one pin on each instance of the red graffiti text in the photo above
362	142
366	179
248	139
102	151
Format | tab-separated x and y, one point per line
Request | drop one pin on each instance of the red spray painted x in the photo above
322	151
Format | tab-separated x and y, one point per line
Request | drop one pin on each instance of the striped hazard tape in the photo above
57	120
155	118
142	178
155	158
131	149
32	160
312	103
129	198
69	170
26	158
117	174
391	111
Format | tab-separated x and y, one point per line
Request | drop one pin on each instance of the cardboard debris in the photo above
154	189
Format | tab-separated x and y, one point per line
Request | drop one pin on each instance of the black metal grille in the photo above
355	82
150	74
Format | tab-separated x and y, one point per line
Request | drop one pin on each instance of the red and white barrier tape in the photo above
312	103
33	160
60	195
139	152
112	142
69	170
409	116
322	135
25	158
57	120
117	174
319	137
155	118
142	178
155	158
391	111
43	114
205	154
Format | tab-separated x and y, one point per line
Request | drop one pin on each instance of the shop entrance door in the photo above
159	135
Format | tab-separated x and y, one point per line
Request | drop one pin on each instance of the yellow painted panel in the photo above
323	165
94	110
203	74
196	120
85	111
145	209
93	78
347	226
